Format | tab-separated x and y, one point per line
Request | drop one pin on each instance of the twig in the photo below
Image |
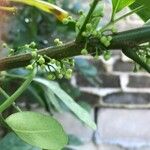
7	96
10	100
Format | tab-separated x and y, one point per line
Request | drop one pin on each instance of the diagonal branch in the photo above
122	40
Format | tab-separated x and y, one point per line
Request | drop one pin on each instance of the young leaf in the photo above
45	6
118	5
144	14
38	130
11	141
68	101
36	95
8	9
51	98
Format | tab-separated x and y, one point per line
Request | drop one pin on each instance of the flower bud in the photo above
89	26
84	51
68	74
107	55
34	54
29	67
51	77
41	60
65	21
32	44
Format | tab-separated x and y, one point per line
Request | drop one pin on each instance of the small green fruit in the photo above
51	77
53	61
89	26
43	66
56	41
107	43
27	46
68	74
29	67
60	76
109	38
114	30
32	44
34	54
84	51
107	55
41	60
84	34
103	39
65	21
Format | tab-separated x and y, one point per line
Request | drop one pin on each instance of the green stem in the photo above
4	93
15	76
88	17
7	96
21	89
129	13
2	121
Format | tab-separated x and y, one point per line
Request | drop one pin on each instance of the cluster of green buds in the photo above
106	40
27	48
58	42
37	59
55	69
60	68
88	30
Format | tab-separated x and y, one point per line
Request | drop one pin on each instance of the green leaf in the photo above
51	98
36	95
118	5
11	141
144	13
45	6
68	101
38	130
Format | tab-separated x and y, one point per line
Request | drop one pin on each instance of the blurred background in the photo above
117	98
